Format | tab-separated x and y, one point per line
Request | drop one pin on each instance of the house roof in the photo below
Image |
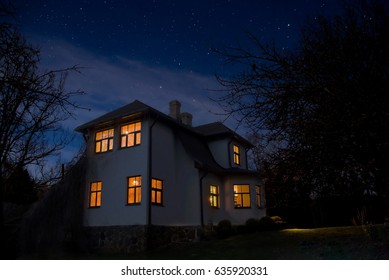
219	130
193	138
211	130
132	108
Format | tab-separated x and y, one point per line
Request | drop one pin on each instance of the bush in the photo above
271	223
224	228
252	225
266	223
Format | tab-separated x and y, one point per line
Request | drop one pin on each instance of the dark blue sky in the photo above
154	51
174	34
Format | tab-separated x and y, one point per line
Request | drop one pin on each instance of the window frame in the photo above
136	188
236	154
242	195
126	136
97	194
109	139
155	191
214	197
258	196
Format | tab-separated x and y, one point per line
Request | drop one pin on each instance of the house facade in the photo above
146	168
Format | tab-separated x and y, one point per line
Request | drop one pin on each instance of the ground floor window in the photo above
134	190
95	194
214	196
242	196
156	191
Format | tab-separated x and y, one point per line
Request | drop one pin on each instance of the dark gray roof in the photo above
194	139
218	130
127	110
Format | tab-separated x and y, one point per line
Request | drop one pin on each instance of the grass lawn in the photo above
334	243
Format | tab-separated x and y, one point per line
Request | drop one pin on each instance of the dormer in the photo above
227	147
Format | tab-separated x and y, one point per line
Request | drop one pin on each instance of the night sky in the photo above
153	51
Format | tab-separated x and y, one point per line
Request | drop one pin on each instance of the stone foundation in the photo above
137	238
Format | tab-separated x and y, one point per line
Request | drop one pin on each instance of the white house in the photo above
146	168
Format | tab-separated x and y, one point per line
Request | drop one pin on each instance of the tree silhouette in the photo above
33	103
324	106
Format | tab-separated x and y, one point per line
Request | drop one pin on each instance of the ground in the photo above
334	243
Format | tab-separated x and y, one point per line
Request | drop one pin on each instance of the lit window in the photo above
95	194
156	191
258	195
104	141
134	190
130	135
242	196
214	196
236	155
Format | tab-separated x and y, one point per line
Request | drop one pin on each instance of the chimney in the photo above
186	119
174	108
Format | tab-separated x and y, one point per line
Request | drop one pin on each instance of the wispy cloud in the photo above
111	82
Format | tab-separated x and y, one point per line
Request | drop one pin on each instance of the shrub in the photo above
224	228
278	222
266	223
252	225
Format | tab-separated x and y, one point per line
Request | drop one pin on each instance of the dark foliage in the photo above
33	104
54	225
321	109
224	228
20	188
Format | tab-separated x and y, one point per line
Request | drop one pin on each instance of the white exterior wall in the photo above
181	182
222	151
227	210
181	193
112	169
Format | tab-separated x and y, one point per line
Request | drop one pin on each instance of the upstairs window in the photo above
130	135
236	154
104	141
242	196
95	194
156	191
134	190
214	196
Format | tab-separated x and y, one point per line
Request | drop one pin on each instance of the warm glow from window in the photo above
134	190
236	154
258	194
104	141
130	135
242	196
156	191
95	194
214	196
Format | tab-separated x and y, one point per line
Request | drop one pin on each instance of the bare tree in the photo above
33	104
324	105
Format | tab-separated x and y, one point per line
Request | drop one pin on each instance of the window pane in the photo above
245	188
135	181
92	202
159	197
138	126
130	140
123	141
138	195
98	199
98	147
246	200
131	195
104	145
138	138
